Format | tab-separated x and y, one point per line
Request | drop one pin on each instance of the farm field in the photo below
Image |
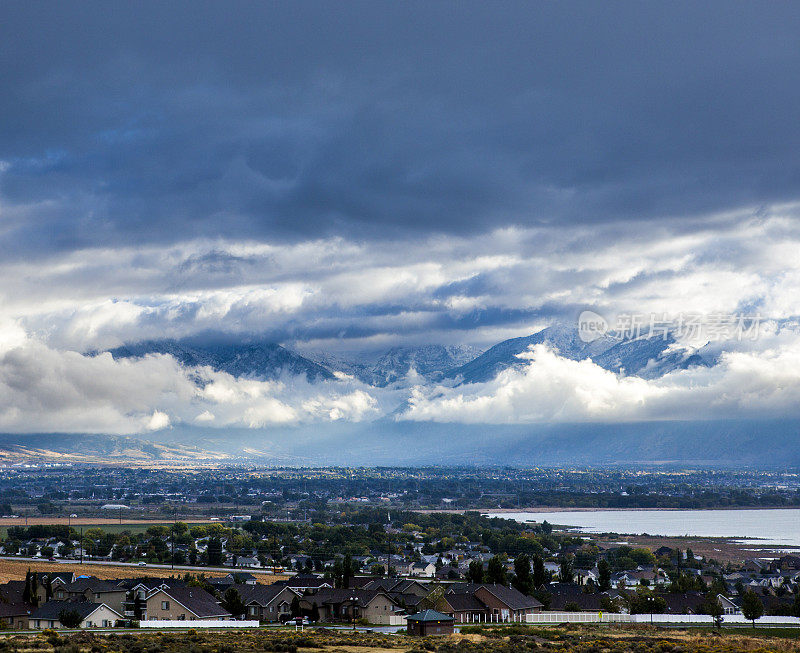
94	521
16	570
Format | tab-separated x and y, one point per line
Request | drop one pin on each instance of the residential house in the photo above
464	608
729	606
90	588
137	591
501	603
683	602
422	569
786	563
267	602
376	606
93	615
184	604
14	615
569	596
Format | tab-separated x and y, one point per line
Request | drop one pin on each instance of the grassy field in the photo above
108	527
511	639
16	570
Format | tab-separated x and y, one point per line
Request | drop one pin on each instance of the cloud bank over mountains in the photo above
135	392
387	191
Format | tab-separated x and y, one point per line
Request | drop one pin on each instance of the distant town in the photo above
365	547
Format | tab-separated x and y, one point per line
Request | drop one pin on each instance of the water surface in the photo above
780	526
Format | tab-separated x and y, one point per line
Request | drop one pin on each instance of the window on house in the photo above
165	605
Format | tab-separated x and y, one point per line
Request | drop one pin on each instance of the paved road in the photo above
114	563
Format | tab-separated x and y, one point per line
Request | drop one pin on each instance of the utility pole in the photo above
80	544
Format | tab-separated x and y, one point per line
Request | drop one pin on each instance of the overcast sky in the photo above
357	175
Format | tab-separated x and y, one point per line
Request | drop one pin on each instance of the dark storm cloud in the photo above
123	123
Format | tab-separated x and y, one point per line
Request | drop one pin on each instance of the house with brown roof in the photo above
94	590
267	602
183	604
376	606
500	603
464	608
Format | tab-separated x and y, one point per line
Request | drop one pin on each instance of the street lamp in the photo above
353	600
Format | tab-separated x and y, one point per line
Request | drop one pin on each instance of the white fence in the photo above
609	617
200	623
577	617
397	620
708	619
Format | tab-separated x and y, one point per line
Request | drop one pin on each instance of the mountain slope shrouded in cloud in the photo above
429	362
645	357
258	360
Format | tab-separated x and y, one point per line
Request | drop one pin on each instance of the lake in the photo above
776	527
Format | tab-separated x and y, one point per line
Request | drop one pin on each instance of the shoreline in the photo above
537	509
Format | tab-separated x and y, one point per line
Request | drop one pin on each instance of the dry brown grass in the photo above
16	570
95	521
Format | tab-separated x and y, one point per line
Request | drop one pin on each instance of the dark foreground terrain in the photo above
500	639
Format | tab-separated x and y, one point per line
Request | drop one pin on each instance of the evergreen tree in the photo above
540	576
214	552
475	572
604	578
523	580
70	618
752	608
496	571
26	592
314	616
232	602
34	591
347	571
712	606
566	573
295	607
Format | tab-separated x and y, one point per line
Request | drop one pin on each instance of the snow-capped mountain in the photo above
648	358
430	362
257	360
645	357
